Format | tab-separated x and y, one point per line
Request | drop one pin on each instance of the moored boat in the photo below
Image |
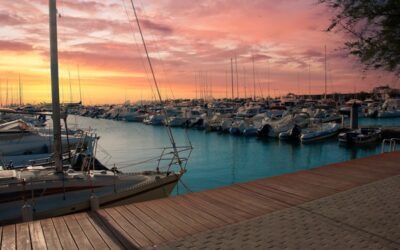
362	136
319	132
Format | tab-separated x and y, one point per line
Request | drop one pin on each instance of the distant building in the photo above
385	92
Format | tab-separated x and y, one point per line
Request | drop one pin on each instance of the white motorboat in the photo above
18	138
319	132
272	128
133	114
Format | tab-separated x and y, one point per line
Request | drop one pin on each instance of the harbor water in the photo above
217	159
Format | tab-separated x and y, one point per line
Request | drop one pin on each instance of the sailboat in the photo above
38	192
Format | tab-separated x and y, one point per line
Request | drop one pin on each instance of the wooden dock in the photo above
155	222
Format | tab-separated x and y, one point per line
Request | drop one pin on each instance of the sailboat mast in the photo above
254	80
269	79
326	77
226	84
233	97
237	78
309	80
244	82
54	85
19	90
7	92
79	82
70	87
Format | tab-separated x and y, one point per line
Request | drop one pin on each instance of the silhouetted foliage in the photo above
373	27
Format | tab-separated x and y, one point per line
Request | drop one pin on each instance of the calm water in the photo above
217	159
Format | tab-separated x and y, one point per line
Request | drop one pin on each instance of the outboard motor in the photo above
263	132
295	133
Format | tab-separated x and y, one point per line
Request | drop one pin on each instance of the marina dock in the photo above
317	208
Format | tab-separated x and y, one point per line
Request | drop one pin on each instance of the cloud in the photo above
183	37
15	46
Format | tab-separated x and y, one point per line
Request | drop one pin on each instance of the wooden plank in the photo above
92	235
130	230
108	237
260	193
239	202
341	174
37	236
192	214
154	237
348	170
212	209
249	198
163	220
151	222
50	234
225	206
378	169
22	236
329	181
160	212
267	203
118	232
296	187
67	242
275	194
190	206
9	238
77	233
319	187
181	215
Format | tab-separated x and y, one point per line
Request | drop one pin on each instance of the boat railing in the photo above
389	145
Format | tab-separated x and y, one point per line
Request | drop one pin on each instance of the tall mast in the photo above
54	85
20	90
7	92
233	97
244	82
269	80
254	80
309	80
195	84
70	87
237	78
326	77
226	84
79	82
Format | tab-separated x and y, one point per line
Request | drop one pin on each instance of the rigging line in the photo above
158	58
137	47
169	131
167	80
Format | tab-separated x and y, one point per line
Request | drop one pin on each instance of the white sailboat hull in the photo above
76	201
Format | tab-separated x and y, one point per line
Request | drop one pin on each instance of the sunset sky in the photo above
184	37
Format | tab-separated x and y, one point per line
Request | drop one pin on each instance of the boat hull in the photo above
78	201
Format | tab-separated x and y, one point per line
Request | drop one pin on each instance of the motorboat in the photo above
272	128
319	132
361	136
18	138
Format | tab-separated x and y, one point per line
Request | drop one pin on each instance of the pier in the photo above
348	204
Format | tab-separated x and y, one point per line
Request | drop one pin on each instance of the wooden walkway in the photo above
154	222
